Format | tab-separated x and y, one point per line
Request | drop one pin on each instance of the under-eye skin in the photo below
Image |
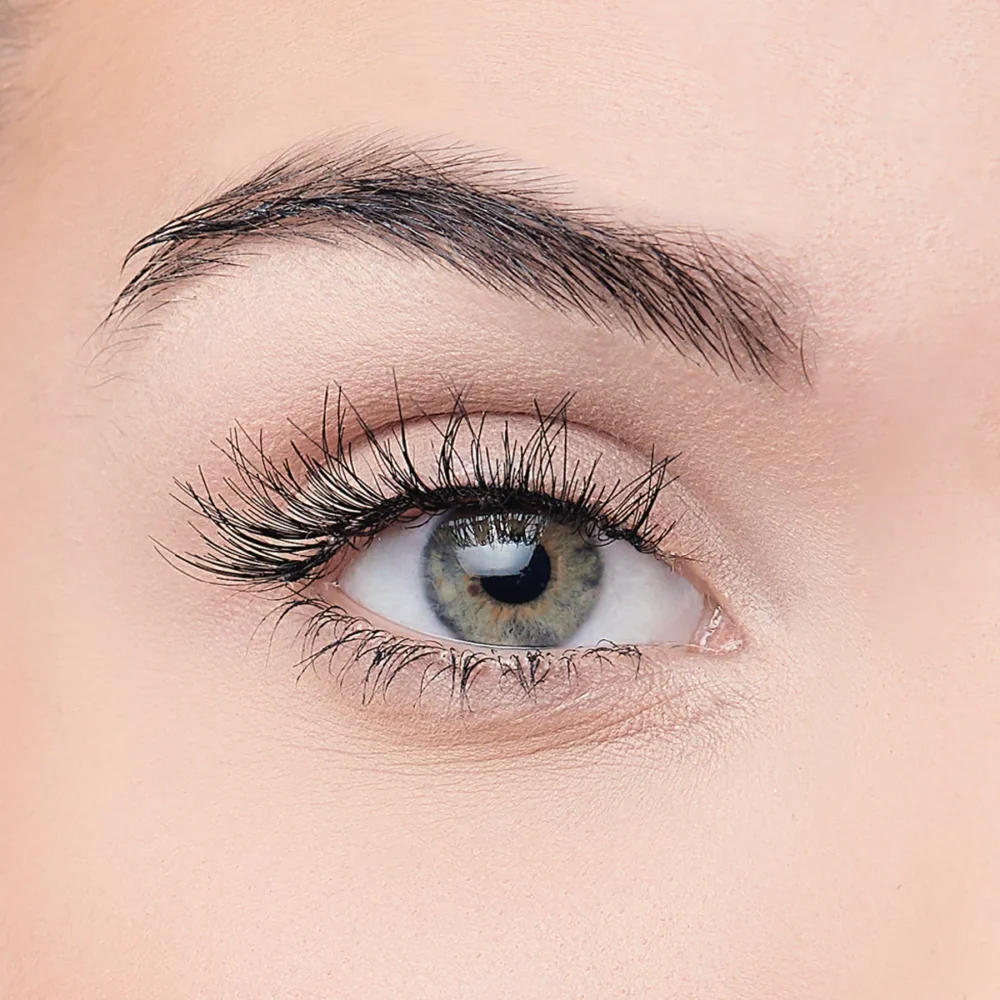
488	556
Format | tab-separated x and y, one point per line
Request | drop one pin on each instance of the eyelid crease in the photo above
275	524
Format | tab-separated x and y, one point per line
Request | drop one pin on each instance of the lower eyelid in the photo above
409	690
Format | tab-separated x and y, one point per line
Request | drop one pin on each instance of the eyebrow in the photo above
499	225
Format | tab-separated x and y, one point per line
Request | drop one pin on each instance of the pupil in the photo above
522	587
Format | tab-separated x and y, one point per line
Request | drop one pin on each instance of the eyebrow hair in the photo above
499	225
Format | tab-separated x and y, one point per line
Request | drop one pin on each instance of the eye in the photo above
479	557
524	580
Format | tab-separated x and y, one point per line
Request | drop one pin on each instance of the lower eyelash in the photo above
380	657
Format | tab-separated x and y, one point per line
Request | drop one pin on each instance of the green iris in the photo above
511	579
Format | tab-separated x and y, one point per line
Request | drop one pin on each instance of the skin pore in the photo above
813	814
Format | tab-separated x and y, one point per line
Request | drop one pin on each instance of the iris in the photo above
511	579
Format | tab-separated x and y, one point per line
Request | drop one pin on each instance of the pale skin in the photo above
184	818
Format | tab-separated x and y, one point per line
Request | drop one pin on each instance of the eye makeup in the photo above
281	522
520	524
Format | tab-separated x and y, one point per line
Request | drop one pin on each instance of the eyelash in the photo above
280	524
383	656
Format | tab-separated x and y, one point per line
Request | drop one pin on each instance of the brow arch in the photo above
497	223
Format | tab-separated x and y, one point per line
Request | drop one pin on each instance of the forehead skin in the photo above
859	140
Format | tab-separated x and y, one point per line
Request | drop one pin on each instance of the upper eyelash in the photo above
282	522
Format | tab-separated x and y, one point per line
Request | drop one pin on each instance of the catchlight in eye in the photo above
521	580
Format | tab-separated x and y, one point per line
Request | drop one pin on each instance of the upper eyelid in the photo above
477	213
274	525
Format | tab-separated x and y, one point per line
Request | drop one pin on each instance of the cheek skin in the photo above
189	822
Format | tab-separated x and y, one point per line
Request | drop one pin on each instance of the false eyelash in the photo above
383	656
277	523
